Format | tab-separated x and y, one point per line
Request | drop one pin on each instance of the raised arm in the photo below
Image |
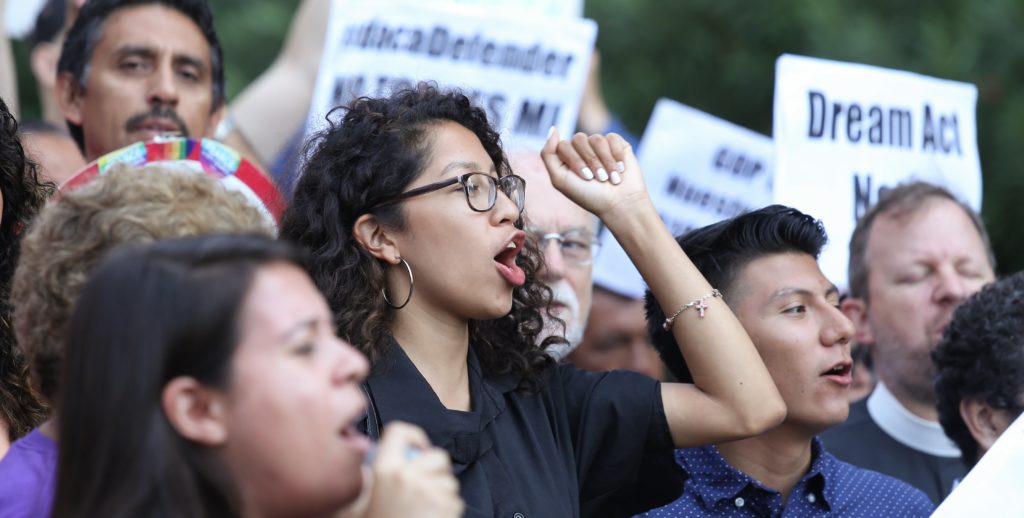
283	92
8	75
733	395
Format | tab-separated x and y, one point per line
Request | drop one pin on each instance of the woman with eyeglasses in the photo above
203	378
415	221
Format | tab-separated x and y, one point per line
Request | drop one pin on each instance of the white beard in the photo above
574	325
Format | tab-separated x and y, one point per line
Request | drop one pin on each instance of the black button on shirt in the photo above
586	444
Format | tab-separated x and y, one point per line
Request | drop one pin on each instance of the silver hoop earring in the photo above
408	297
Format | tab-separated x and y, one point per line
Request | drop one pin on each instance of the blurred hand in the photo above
422	487
598	172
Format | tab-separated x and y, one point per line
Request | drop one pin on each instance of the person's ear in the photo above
69	96
43	60
196	411
376	239
981	422
856	309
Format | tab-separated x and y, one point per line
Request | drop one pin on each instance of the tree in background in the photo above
719	56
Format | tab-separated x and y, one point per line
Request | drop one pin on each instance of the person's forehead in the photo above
772	276
154	27
547	208
937	228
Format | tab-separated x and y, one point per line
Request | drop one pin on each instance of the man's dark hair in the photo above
981	357
721	250
87	30
899	202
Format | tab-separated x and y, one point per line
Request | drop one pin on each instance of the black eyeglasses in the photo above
481	190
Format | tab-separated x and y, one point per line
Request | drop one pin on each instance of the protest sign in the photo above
699	169
527	72
556	8
844	131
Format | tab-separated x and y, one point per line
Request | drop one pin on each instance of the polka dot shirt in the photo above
830	488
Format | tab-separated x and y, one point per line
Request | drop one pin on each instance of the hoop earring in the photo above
412	283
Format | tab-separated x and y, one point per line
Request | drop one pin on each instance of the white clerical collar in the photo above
910	430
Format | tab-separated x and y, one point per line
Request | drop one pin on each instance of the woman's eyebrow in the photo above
298	328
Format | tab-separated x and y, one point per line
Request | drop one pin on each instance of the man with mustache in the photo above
914	257
764	264
131	70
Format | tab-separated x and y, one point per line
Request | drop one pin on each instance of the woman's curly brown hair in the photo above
372	154
22	195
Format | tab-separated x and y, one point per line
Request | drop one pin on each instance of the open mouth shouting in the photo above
841	373
505	261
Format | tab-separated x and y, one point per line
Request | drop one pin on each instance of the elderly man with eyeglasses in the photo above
616	337
568	236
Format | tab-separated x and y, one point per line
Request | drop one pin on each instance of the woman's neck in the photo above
438	347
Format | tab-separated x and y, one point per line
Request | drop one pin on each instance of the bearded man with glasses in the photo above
567	234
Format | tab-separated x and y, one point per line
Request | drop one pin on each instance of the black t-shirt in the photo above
586	444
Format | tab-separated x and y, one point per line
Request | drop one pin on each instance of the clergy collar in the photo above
906	428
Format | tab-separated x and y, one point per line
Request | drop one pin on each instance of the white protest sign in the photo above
699	169
20	16
843	131
557	8
990	488
526	72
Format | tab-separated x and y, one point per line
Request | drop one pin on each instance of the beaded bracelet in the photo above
695	303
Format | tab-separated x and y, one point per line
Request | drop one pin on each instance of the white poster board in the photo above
699	169
527	72
20	17
991	489
555	8
843	131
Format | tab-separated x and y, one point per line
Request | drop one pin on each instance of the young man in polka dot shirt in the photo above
765	265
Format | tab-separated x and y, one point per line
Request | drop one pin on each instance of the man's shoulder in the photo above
860	489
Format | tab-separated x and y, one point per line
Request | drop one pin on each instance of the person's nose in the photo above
350	365
163	87
838	330
554	267
505	210
950	287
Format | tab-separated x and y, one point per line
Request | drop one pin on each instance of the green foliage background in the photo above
719	56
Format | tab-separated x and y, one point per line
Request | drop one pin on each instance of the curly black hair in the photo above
23	194
376	149
981	357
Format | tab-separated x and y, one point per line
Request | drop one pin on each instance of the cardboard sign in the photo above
526	72
844	131
699	169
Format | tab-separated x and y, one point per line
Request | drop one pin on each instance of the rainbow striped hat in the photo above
202	155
